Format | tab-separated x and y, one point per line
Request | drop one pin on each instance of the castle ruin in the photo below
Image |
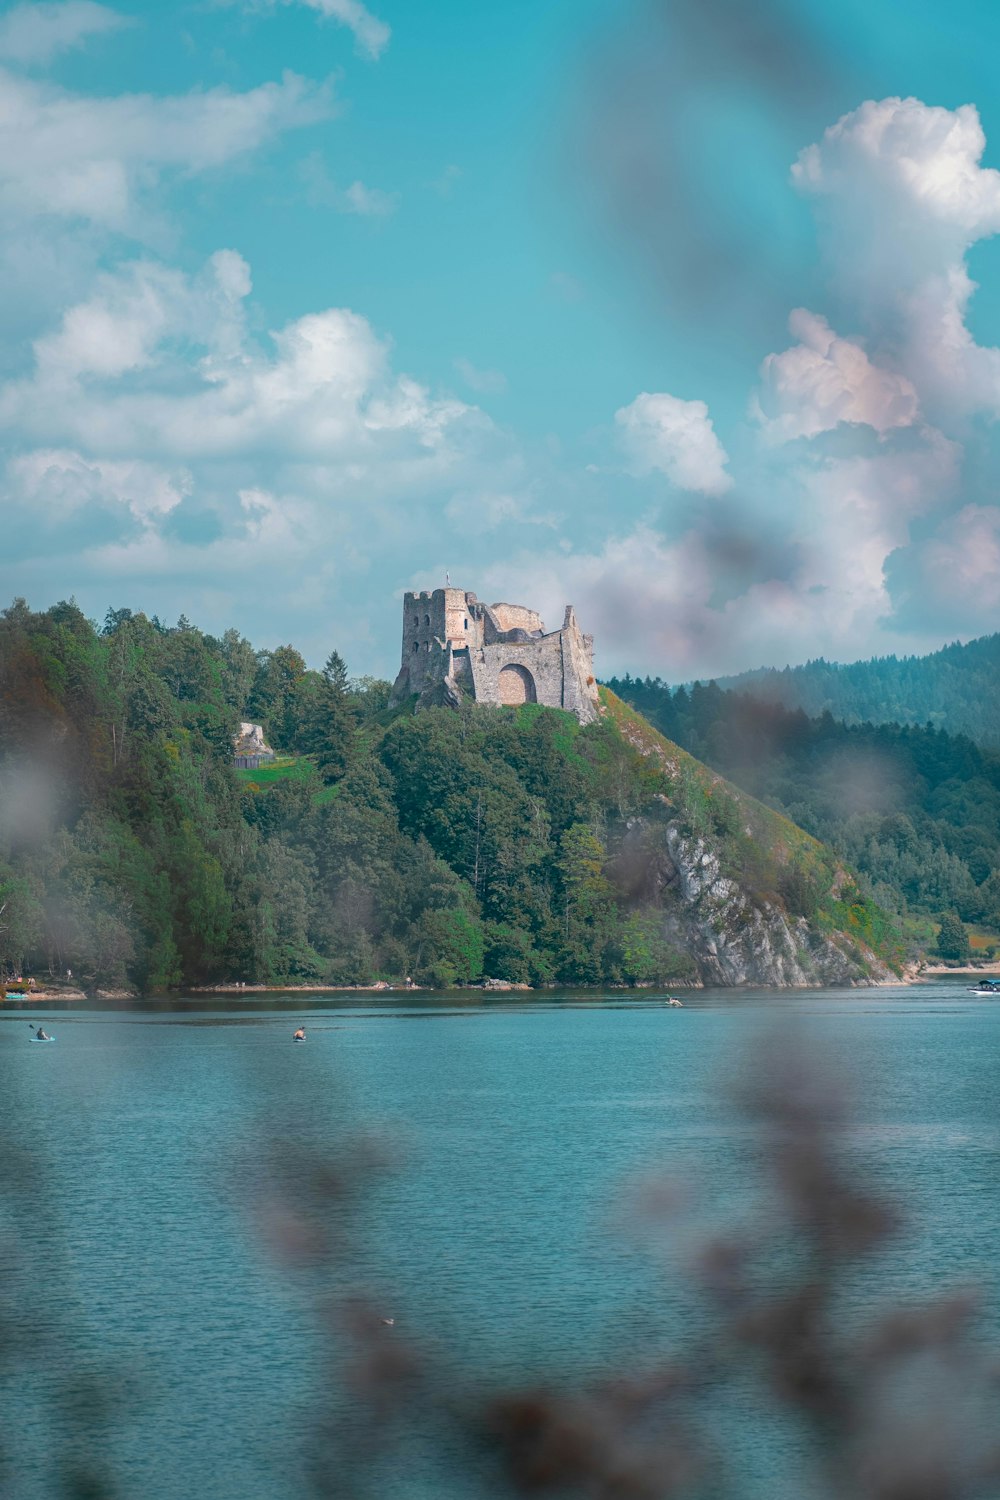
456	648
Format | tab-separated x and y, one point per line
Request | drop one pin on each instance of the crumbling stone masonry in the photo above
454	648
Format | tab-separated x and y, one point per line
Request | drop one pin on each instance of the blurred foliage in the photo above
782	1346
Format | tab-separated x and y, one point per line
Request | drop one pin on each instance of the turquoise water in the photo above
161	1306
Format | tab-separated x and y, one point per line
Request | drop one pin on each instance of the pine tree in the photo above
953	940
330	721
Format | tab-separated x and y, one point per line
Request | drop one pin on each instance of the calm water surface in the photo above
148	1270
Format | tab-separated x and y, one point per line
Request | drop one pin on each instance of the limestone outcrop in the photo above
250	749
735	941
736	932
733	937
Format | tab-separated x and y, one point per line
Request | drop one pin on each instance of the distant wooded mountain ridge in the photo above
953	689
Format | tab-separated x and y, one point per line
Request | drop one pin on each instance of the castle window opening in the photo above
427	619
427	645
465	625
416	645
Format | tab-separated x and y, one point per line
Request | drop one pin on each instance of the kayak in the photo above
41	1039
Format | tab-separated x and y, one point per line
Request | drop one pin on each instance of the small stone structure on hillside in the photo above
456	648
249	750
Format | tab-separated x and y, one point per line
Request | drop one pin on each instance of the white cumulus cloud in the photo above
100	160
824	380
651	603
920	159
60	481
133	317
323	391
371	34
675	437
159	442
157	447
902	197
37	33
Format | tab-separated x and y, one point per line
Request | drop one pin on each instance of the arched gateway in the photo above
517	685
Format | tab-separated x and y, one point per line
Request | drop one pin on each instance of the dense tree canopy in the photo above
444	846
953	689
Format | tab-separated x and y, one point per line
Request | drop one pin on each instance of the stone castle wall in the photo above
455	647
504	617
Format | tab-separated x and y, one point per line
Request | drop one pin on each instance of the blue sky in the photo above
662	309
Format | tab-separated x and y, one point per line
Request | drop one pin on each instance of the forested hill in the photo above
953	689
446	846
915	810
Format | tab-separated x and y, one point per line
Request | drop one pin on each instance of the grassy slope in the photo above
301	767
282	768
783	836
758	845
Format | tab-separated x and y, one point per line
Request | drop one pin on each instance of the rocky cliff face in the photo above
737	940
681	858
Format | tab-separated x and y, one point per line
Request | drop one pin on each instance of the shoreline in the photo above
917	973
912	974
936	969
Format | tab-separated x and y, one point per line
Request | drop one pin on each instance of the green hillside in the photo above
760	846
915	810
447	846
953	689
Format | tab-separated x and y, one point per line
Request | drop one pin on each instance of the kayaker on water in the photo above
300	1035
40	1035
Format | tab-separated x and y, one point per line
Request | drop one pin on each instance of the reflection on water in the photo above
496	1232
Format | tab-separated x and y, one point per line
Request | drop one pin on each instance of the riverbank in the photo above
973	969
39	999
912	974
380	987
15	997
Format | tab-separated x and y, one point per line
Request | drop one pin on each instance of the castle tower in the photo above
455	647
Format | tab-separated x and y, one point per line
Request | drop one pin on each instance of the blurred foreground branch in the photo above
878	1404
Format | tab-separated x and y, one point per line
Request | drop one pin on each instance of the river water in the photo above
172	1247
